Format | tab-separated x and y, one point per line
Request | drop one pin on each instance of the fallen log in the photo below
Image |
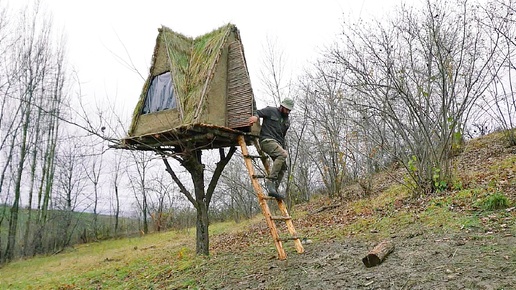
378	254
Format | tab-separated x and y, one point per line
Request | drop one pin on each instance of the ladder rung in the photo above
288	239
259	176
281	218
252	156
269	197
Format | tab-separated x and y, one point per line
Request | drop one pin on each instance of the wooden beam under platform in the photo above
200	136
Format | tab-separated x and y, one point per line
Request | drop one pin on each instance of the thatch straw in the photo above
191	62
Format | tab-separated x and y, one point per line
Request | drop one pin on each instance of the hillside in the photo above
458	239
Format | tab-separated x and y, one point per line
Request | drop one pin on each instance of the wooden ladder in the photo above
262	199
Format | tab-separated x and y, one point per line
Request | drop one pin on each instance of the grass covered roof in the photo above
191	62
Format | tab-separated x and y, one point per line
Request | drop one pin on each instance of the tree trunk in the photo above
203	240
144	213
117	210
191	161
194	165
2	179
34	162
13	220
95	212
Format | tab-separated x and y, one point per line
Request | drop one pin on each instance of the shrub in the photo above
494	201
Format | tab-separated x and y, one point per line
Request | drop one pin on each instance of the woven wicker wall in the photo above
240	94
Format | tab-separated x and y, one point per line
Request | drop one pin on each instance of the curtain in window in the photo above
160	95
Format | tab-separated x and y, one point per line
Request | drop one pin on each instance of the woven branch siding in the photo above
240	94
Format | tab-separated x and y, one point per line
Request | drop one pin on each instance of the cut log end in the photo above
371	260
378	254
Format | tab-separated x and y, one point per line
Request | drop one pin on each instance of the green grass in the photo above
494	201
105	264
384	201
441	217
130	263
168	260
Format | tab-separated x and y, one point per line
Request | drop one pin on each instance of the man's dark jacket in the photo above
274	125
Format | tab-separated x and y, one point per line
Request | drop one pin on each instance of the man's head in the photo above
286	105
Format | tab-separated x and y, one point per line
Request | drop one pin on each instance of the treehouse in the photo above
198	92
198	96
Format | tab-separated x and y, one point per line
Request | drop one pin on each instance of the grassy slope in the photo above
167	260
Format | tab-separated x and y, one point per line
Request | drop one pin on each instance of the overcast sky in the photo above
99	31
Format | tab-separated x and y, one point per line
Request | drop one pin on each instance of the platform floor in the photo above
200	136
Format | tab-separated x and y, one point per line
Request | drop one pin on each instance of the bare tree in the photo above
9	114
140	185
418	75
273	75
160	191
71	184
33	53
326	121
53	107
190	159
235	193
115	181
34	64
93	170
497	107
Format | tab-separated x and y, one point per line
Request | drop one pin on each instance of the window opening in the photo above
160	95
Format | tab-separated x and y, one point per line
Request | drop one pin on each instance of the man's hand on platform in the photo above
253	119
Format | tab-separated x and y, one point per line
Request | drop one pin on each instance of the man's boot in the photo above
270	185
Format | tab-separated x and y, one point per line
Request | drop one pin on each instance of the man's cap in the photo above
287	103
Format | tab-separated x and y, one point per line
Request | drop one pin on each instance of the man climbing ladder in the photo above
262	199
272	141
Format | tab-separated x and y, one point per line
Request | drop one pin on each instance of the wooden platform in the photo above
201	136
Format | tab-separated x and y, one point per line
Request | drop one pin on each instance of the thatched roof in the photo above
191	63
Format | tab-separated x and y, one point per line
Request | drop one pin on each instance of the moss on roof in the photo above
192	63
